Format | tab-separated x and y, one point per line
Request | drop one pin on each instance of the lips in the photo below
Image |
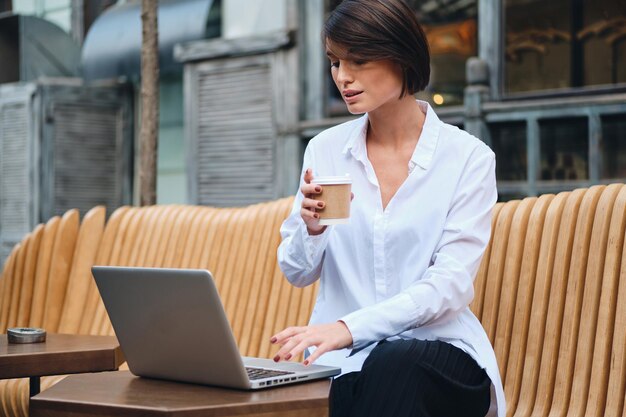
350	93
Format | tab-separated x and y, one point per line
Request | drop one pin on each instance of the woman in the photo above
396	282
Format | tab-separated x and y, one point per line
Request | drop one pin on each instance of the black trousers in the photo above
414	378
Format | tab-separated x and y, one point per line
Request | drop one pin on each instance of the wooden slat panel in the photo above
556	304
8	278
88	242
93	304
17	281
525	384
481	276
497	263
573	301
28	277
236	136
508	294
603	364
516	332
191	259
44	261
590	306
62	257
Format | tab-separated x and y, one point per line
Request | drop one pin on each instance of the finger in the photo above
308	214
310	189
280	337
321	349
308	175
283	352
312	204
300	347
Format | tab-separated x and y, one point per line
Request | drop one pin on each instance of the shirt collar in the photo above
426	145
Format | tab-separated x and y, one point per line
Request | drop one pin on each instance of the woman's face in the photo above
364	85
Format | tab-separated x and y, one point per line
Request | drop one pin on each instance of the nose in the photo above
344	75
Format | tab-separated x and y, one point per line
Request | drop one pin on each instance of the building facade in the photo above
543	83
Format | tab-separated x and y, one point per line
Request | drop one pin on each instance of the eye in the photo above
334	64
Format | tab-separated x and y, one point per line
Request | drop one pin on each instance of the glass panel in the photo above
50	5
614	146
603	39
451	29
564	149
537	44
24	7
564	43
508	141
62	18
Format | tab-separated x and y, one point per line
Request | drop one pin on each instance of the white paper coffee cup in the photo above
336	192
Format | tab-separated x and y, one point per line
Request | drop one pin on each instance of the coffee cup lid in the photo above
331	180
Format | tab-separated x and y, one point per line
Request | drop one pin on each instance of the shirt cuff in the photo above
314	245
382	320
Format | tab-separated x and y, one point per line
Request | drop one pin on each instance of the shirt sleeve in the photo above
447	287
300	255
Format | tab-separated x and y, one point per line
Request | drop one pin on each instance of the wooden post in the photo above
148	137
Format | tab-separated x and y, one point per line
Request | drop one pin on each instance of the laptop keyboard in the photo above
259	373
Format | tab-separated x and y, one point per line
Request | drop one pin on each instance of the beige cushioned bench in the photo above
550	292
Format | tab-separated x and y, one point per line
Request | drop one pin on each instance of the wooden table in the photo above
122	394
60	354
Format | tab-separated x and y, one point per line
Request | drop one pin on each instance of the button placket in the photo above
379	256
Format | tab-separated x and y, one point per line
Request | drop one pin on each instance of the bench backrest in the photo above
550	292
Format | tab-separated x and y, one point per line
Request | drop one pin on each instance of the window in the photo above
561	44
58	12
614	146
508	141
564	149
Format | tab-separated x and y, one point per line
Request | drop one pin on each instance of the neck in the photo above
396	124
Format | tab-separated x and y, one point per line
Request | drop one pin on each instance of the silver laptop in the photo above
171	324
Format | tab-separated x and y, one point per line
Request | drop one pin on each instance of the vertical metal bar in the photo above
490	42
534	154
314	72
595	147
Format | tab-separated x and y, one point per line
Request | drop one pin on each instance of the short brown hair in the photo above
372	30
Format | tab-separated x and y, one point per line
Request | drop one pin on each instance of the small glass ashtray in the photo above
26	335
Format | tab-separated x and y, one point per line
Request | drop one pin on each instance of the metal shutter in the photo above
86	141
85	167
15	175
235	148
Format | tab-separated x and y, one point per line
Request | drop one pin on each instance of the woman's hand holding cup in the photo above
334	191
310	204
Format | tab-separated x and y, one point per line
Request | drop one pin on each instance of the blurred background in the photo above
244	84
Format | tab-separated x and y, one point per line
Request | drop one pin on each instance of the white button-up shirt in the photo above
406	271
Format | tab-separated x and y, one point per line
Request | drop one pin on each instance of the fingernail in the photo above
288	356
320	204
318	189
306	362
308	170
276	358
273	340
317	216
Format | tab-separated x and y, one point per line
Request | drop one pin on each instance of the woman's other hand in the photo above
310	204
325	337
